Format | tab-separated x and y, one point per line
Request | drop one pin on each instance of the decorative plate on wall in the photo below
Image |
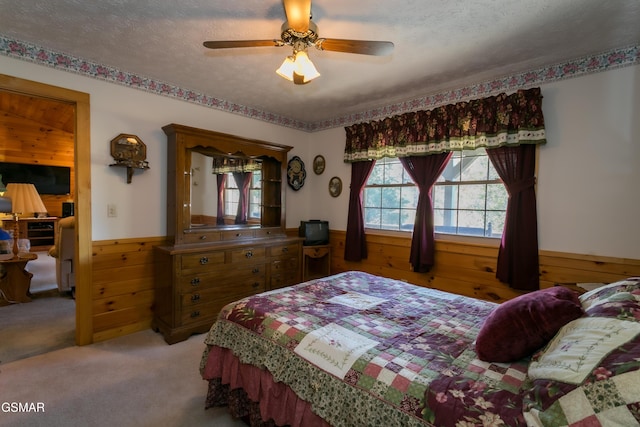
335	186
318	164
296	173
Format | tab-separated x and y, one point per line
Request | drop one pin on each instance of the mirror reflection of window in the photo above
232	195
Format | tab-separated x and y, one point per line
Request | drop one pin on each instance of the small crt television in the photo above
315	232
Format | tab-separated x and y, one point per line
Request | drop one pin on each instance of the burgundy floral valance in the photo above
496	121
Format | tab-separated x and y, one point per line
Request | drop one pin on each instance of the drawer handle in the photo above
195	314
195	281
203	237
255	270
195	297
249	254
238	234
204	260
285	250
256	284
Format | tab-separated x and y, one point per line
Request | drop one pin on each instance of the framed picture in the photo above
318	164
335	186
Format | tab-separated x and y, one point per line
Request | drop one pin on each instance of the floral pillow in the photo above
620	300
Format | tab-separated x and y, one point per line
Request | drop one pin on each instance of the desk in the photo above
14	279
316	262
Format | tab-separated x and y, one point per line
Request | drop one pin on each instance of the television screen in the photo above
47	179
315	232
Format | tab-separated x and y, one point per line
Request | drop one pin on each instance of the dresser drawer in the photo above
291	263
231	235
220	276
291	249
248	254
201	236
198	306
201	260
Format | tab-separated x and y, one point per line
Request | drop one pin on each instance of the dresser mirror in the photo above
196	158
214	207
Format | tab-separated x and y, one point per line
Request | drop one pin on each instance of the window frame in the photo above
489	239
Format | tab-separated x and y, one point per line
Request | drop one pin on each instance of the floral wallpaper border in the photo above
592	64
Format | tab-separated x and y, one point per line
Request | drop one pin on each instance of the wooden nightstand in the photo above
316	262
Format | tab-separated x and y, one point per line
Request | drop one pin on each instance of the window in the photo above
468	198
232	195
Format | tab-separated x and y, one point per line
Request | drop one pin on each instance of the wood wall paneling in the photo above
123	286
38	131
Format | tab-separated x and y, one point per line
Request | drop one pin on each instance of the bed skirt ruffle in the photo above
252	395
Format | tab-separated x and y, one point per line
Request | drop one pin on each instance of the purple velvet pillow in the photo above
519	327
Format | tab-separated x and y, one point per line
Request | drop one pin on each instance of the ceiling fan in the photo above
300	32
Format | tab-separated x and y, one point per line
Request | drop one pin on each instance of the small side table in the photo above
14	279
316	262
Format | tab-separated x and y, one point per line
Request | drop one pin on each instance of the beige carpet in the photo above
45	324
44	273
136	380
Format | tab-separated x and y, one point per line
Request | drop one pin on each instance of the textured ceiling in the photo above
440	45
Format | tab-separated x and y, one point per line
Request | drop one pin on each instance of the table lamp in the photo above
26	202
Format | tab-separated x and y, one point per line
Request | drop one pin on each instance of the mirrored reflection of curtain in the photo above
424	171
222	179
243	181
355	245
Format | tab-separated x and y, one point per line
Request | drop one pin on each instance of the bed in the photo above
356	349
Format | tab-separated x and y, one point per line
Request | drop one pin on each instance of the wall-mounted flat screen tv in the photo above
47	179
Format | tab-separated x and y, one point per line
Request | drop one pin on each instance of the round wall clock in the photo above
296	173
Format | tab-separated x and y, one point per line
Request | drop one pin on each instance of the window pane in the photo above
372	197
471	223
497	197
474	168
445	220
452	170
495	224
407	218
390	219
393	172
372	218
472	196
391	197
409	197
445	196
377	174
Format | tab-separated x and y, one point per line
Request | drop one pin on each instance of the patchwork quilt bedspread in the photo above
364	350
367	350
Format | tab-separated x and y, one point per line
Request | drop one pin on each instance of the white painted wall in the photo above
115	109
588	201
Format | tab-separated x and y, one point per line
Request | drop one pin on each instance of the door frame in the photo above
82	196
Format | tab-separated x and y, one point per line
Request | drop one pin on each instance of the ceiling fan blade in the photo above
240	43
363	47
298	14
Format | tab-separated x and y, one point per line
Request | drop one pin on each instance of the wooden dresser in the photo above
196	282
207	265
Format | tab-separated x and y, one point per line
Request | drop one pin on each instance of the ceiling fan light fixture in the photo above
298	69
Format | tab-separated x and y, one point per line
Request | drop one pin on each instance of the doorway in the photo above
82	195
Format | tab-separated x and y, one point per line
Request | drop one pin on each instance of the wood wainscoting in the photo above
469	268
123	286
123	274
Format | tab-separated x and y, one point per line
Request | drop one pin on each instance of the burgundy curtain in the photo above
222	179
243	181
518	256
355	245
424	171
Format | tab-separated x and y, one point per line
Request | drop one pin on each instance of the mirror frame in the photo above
181	141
